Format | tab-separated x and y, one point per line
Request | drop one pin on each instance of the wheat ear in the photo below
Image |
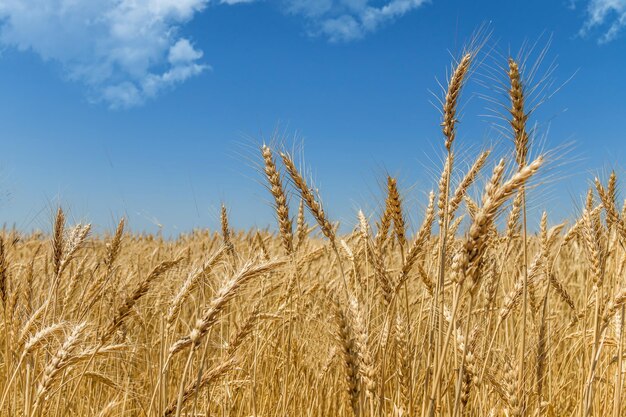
280	199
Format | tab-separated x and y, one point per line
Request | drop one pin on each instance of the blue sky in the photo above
151	109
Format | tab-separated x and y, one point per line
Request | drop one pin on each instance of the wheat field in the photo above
477	312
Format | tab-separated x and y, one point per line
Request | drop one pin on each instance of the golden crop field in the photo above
476	313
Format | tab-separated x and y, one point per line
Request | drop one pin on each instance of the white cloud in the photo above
606	15
183	52
347	20
124	51
128	51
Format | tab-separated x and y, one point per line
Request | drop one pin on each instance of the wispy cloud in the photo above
231	2
609	16
348	20
124	51
128	51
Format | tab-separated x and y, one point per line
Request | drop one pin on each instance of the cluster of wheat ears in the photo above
490	320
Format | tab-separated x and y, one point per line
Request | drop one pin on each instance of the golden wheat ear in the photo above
280	199
313	204
452	98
